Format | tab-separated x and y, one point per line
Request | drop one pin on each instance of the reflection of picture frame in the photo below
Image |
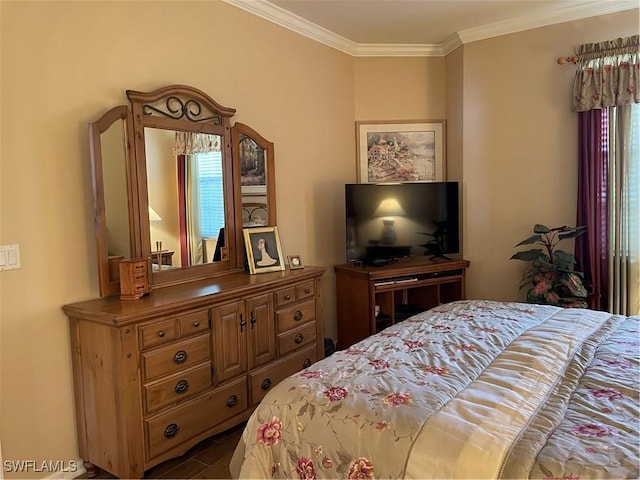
295	262
264	253
401	151
252	163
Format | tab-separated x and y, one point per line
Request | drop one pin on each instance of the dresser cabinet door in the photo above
230	327
262	343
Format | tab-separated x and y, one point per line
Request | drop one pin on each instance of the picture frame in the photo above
295	262
264	252
401	151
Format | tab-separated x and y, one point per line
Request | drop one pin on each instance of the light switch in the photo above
9	257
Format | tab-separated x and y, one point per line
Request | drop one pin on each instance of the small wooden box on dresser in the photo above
398	290
155	376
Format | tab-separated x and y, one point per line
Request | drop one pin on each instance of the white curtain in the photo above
624	209
193	220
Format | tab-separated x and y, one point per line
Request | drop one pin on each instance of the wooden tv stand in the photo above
399	289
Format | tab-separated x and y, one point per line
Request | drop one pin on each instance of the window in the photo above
211	193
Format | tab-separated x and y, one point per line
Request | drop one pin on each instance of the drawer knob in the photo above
171	430
266	384
231	402
287	297
180	357
297	316
307	291
196	323
182	386
161	333
307	363
299	338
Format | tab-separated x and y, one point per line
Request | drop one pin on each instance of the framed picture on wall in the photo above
400	151
264	253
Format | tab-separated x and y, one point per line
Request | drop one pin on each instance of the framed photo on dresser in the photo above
264	253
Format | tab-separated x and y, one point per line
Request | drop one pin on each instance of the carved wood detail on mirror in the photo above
169	169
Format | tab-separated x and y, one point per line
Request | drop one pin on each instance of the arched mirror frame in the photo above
240	131
135	119
184	108
108	275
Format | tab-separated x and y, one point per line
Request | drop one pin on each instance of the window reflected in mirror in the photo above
185	173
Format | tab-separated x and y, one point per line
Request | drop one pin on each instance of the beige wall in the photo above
65	63
519	142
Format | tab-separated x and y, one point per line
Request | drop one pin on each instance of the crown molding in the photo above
297	24
290	21
561	15
397	50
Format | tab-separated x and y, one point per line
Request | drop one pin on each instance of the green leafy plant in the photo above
550	276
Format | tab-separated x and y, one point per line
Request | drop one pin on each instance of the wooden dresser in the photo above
155	376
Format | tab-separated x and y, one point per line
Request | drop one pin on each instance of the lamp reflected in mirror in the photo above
153	215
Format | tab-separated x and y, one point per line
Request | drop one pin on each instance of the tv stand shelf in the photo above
400	290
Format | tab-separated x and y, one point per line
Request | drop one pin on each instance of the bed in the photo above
470	389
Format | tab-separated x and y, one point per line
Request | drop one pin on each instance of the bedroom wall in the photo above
63	64
399	88
519	142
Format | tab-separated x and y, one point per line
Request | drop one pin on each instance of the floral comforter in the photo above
470	389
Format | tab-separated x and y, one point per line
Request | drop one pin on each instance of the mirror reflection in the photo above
186	198
112	147
178	186
253	182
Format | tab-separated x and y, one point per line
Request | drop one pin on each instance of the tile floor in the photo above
208	459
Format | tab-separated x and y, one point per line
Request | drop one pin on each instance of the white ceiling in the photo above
419	27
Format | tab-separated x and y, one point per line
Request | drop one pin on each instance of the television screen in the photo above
389	221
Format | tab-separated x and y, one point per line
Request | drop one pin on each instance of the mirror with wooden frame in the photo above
190	178
113	174
253	158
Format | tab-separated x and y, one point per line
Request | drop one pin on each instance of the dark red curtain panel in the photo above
591	248
182	210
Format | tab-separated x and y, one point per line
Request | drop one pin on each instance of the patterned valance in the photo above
187	143
607	75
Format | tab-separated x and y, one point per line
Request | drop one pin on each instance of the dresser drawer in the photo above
296	338
158	333
295	293
192	323
261	381
305	290
176	356
285	297
170	429
177	387
295	315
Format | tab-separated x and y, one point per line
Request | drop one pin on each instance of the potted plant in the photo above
550	276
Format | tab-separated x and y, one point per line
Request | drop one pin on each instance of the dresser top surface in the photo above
180	297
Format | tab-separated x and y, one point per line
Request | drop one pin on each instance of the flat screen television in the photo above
389	221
